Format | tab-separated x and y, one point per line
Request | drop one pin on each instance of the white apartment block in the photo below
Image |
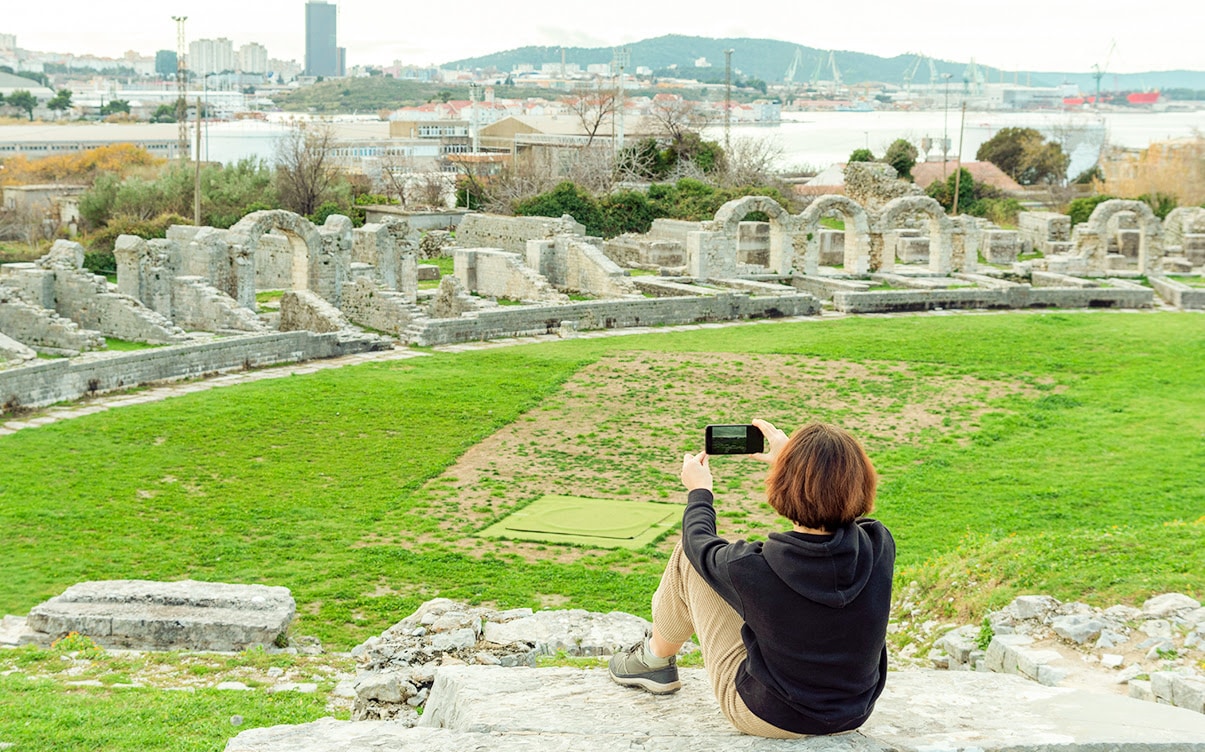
253	58
207	56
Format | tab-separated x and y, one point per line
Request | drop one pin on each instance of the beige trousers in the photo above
685	605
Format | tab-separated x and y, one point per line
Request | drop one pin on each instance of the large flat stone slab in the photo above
480	707
185	615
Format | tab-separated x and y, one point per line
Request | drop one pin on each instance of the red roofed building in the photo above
925	174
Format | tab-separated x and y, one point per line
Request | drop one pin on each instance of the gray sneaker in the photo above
628	668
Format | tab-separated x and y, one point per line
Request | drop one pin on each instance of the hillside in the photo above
770	59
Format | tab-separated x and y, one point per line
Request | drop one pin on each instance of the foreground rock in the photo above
1153	652
146	615
397	668
482	707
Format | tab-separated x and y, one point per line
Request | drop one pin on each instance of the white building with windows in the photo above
253	58
207	56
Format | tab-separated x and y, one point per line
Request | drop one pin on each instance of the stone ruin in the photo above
343	289
1143	649
147	615
453	676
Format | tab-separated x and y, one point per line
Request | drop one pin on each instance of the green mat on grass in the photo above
603	523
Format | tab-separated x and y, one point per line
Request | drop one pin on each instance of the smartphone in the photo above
743	438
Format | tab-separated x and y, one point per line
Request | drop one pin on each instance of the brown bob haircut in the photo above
822	478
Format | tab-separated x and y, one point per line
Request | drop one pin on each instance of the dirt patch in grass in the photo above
619	428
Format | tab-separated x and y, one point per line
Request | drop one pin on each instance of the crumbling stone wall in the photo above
512	233
12	351
273	262
46	382
39	328
58	282
452	300
389	249
303	310
1184	232
496	273
368	304
1001	246
198	306
873	185
1044	232
572	265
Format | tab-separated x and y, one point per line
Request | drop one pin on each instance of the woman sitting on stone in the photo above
793	629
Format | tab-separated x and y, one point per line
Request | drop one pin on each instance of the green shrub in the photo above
99	255
1081	208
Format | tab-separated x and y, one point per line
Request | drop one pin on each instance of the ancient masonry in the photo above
276	288
455	676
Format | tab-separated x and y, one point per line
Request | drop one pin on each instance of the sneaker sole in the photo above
647	685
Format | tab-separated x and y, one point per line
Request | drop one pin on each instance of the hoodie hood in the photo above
831	572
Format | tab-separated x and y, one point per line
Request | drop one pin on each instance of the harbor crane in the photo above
1098	72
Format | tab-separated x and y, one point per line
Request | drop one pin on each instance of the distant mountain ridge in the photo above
770	59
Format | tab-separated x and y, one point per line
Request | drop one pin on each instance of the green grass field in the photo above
1085	484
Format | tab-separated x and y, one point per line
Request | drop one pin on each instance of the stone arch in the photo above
941	231
857	233
308	258
1181	221
782	227
1150	246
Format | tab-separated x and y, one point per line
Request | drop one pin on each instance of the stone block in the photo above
1030	662
186	615
1079	628
1141	690
1161	684
428	272
1169	604
1176	265
1033	606
1189	693
959	644
1002	652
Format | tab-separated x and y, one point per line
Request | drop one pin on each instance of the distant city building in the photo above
8	43
321	47
285	70
166	62
253	58
207	56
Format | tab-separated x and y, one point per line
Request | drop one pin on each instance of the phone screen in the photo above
742	438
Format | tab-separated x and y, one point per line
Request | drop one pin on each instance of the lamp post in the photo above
945	126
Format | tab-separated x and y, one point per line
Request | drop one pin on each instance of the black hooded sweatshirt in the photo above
815	609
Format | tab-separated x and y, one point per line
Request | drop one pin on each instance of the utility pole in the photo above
945	128
196	173
958	175
181	90
727	101
619	64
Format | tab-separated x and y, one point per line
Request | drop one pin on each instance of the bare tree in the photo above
27	224
396	178
305	167
676	117
752	161
593	108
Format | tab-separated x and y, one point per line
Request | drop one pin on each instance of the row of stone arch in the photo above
795	242
795	239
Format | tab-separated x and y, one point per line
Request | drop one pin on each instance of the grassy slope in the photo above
274	482
1089	491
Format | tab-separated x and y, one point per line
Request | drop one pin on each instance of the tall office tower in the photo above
321	51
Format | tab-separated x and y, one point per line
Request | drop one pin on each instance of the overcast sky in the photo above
1055	35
